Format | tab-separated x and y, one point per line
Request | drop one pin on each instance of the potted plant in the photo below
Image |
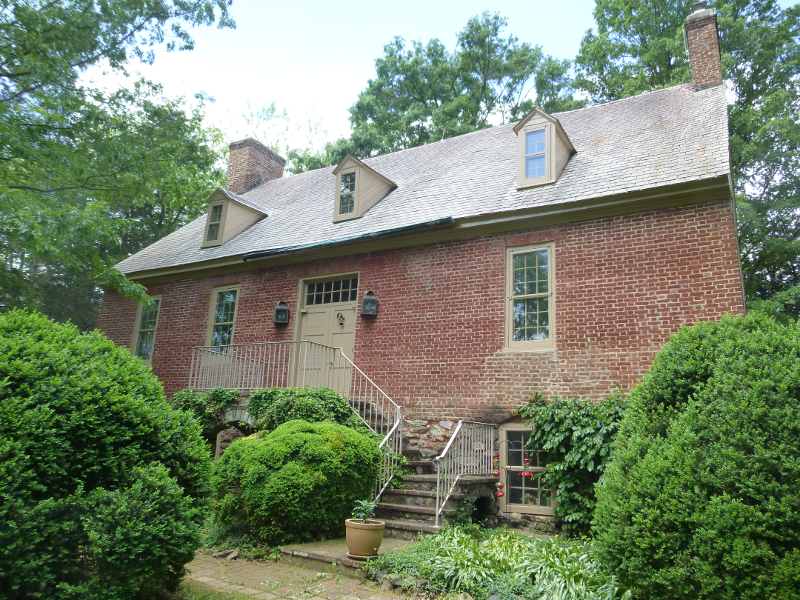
364	534
527	499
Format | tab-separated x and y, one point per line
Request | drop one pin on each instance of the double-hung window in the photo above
530	299
214	225
347	193
535	156
146	324
223	318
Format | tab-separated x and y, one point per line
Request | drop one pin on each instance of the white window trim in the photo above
212	310
505	505
547	344
138	327
337	216
549	155
218	242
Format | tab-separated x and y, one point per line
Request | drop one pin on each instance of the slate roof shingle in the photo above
651	140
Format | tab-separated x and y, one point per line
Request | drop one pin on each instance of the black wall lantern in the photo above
369	305
281	313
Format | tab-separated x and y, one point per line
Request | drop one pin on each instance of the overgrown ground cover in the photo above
487	562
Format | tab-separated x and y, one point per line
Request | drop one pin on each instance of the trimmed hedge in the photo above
299	482
273	407
103	488
701	498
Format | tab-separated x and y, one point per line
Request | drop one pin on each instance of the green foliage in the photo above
363	510
424	93
275	406
578	437
299	482
700	498
104	488
88	177
783	306
485	562
639	46
207	407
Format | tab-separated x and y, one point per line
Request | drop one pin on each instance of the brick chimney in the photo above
702	39
250	163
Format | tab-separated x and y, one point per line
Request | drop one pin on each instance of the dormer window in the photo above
543	149
358	188
228	215
347	193
214	223
535	160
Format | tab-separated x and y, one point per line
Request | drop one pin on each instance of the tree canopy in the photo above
639	46
87	177
424	93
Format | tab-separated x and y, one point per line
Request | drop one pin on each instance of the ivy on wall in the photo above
578	435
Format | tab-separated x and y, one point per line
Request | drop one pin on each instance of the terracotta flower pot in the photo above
364	539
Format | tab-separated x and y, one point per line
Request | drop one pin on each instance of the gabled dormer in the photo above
543	149
358	188
228	215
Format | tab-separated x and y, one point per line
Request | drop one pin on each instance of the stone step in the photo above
422	467
420	510
418	498
402	529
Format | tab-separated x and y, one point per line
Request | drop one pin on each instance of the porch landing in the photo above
331	555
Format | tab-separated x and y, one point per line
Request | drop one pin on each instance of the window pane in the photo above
216	214
532	275
346	204
534	142
144	345
213	233
149	315
221	335
226	306
534	166
348	183
336	296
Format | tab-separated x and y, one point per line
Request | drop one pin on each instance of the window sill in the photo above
534	183
529	509
533	350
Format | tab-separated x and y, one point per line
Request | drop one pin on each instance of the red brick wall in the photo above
623	285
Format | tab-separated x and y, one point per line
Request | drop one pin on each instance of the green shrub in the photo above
299	482
95	468
578	437
701	498
273	407
207	407
505	564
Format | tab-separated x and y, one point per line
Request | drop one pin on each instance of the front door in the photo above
328	317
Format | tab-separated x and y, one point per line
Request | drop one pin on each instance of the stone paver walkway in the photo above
269	579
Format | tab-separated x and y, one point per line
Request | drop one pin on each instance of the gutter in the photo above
355	238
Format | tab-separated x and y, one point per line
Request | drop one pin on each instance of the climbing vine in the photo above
578	435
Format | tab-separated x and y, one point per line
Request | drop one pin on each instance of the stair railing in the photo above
304	364
468	452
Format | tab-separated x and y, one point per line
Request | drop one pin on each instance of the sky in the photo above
313	58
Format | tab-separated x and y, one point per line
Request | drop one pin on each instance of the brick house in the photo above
555	254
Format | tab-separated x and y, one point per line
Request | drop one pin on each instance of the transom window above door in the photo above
331	292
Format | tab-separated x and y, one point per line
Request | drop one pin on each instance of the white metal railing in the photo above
469	452
303	363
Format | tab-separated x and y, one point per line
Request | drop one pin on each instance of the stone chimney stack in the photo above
702	39
250	163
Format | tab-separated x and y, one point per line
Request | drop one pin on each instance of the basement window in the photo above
524	493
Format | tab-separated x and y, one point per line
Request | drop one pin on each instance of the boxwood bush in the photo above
103	488
298	482
273	407
701	498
